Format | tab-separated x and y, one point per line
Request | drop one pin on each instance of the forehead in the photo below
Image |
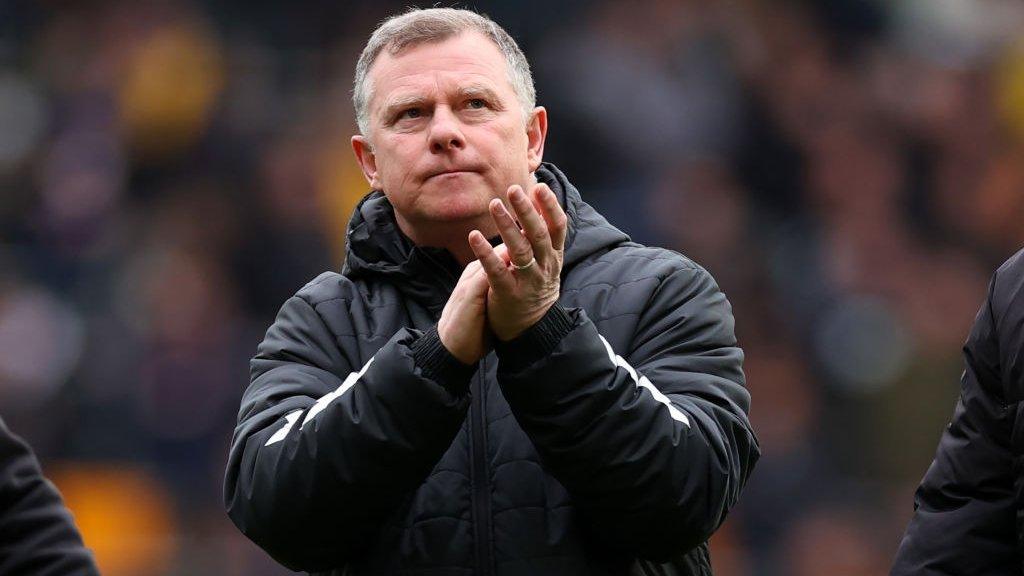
467	57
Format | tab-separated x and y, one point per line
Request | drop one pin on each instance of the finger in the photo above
518	246
502	251
553	214
498	274
534	227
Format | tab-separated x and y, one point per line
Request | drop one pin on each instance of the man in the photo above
487	388
37	533
969	509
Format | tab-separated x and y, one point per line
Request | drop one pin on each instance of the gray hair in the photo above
416	27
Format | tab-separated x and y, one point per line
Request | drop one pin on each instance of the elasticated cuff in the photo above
438	364
536	342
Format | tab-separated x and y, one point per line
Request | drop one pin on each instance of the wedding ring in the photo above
524	266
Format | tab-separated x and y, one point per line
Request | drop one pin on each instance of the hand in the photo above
463	324
523	273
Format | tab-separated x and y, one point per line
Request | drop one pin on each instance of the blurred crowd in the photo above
851	171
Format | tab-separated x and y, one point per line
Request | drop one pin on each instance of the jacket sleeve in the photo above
654	449
37	532
325	449
964	514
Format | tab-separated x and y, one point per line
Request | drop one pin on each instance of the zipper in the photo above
449	278
478	475
481	497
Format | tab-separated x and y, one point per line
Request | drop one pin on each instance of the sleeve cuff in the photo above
537	341
438	364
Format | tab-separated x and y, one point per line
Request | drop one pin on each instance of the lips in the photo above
452	171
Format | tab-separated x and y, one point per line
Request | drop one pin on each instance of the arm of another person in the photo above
964	510
37	532
325	449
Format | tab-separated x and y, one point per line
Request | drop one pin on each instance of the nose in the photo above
445	132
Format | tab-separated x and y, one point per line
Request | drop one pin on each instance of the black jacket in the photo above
615	429
968	509
37	533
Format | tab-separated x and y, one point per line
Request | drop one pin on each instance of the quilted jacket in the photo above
38	536
969	509
610	438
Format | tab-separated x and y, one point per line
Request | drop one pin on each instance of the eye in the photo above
476	103
410	113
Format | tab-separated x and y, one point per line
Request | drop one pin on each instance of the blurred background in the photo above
171	171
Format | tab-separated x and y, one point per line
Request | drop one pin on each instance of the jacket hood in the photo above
375	246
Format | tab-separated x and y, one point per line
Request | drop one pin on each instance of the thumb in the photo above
470	270
502	251
478	282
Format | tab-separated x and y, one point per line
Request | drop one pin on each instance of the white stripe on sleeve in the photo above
326	399
643	382
292	417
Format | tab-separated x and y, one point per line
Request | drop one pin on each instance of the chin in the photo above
458	209
455	203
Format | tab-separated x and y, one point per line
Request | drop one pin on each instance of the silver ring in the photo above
525	266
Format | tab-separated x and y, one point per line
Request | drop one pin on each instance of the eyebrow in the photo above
479	91
402	102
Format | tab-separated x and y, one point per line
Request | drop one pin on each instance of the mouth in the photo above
450	173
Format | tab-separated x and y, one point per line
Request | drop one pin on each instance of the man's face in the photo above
447	132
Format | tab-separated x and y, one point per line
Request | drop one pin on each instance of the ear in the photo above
367	160
536	132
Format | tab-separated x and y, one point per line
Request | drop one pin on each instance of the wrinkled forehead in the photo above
466	57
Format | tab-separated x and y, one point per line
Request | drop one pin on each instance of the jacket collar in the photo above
377	248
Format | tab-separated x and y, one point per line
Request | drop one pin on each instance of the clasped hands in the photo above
508	288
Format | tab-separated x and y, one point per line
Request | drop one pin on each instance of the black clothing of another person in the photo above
969	509
38	536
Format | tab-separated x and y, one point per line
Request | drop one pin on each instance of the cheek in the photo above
516	147
392	166
508	147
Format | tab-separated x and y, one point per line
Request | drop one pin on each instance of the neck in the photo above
452	236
